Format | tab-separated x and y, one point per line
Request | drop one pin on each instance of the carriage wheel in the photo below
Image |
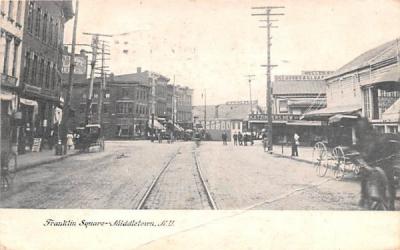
340	162
320	158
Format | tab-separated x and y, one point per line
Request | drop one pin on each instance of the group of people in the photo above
240	139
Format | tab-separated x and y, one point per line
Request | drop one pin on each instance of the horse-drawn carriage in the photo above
89	138
373	156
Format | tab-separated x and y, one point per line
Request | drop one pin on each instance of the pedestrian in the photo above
251	138
265	141
70	141
224	138
295	144
240	139
235	139
159	137
245	139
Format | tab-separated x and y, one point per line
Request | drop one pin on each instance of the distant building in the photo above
367	86
184	116
125	106
231	117
292	96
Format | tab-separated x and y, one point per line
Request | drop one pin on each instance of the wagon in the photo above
91	140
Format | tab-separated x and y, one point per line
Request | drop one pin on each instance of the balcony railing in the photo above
9	81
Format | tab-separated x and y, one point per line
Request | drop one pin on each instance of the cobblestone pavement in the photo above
248	178
179	187
116	178
237	177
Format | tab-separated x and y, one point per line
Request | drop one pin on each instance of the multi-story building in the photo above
125	111
292	96
230	117
41	63
11	35
183	113
367	86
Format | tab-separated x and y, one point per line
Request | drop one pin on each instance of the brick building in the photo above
40	67
183	114
125	106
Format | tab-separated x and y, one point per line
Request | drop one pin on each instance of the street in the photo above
236	178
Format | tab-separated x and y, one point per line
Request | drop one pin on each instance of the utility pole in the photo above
95	43
102	88
67	108
268	26
250	78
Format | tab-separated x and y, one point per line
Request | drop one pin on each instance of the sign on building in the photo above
80	65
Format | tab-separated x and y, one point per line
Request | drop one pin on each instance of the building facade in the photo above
367	86
11	35
125	110
292	96
230	117
41	64
184	116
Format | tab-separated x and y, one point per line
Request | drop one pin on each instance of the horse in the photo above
379	153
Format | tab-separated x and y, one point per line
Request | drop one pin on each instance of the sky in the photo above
214	44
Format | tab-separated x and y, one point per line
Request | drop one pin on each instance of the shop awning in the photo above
179	128
325	113
157	125
28	102
6	97
341	118
389	80
304	123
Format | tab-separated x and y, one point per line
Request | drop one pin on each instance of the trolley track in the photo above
145	201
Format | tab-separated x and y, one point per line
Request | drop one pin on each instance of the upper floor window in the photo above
44	29
38	22
56	35
30	16
11	10
19	10
50	37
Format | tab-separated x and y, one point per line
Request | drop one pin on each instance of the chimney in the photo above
139	70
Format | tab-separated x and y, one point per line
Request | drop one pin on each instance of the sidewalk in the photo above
305	153
33	159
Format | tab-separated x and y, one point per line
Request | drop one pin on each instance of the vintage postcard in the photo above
226	124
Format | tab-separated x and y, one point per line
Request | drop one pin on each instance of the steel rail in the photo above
153	184
210	199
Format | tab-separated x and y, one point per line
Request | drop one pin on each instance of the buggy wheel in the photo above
320	158
340	162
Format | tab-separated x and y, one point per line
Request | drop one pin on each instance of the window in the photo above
56	35
283	106
27	64
105	108
47	74
30	16
94	108
15	57
34	70
6	55
41	72
10	10
125	92
50	37
124	107
19	9
38	22
53	77
44	30
82	107
107	94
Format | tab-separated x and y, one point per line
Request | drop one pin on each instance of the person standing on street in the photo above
240	139
224	138
265	141
295	145
235	139
70	141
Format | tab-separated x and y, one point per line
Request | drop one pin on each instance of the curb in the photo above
293	158
36	164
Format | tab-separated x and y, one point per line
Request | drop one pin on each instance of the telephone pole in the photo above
67	108
95	47
268	13
250	78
